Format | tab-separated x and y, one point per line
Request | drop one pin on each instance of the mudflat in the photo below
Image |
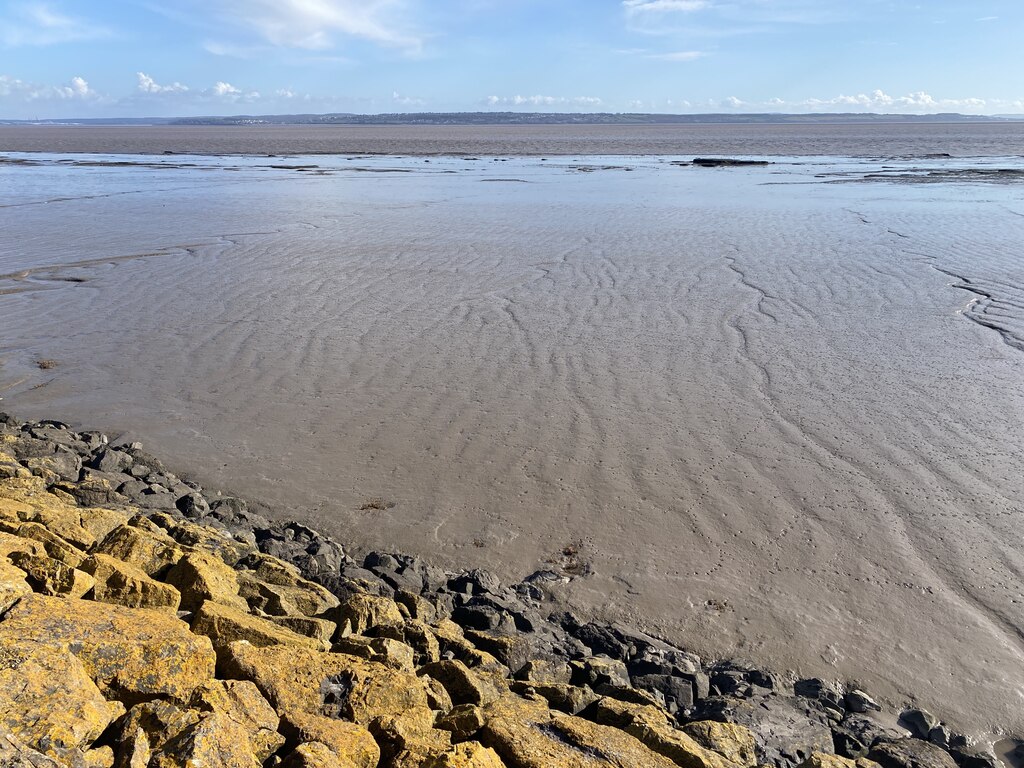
772	411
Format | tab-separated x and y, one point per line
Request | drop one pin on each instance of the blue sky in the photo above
62	58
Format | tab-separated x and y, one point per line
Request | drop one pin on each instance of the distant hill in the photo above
528	118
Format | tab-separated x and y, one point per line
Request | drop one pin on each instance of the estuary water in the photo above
776	411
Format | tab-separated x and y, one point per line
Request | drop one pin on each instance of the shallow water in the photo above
777	410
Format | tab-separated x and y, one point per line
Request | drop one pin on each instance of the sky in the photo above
154	58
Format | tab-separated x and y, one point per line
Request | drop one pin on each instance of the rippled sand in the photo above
778	411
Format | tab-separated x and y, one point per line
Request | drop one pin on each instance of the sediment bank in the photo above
147	622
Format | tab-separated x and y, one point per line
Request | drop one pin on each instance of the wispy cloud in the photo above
543	101
39	23
638	7
320	24
677	56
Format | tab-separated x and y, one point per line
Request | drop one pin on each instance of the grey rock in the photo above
940	736
918	721
860	702
192	505
679	694
910	753
111	460
858	733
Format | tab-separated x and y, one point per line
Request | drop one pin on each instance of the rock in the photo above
111	460
468	755
241	701
382	650
15	754
418	607
820	760
147	727
600	670
94	492
225	625
215	741
192	505
860	702
910	753
566	698
940	736
51	577
416	635
144	546
359	613
545	671
13	585
974	758
463	685
192	535
350	744
919	721
677	692
733	742
463	721
53	546
512	650
314	754
201	577
651	726
133	653
120	583
786	729
318	629
47	699
99	757
856	734
277	588
526	734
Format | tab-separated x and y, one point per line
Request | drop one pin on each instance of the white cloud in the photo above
406	101
317	24
543	101
878	100
39	23
677	56
148	85
732	103
225	89
78	88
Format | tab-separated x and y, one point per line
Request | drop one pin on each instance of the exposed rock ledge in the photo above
142	626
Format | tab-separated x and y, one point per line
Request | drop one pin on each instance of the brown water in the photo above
874	140
755	399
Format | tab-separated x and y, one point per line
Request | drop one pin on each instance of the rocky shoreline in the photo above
144	622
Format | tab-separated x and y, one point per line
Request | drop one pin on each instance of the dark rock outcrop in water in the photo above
144	622
725	162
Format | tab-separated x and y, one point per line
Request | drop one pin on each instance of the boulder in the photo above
133	653
121	583
277	588
215	741
16	754
53	546
13	585
382	650
821	760
463	684
463	721
315	754
910	753
143	545
201	577
51	577
321	630
733	742
47	699
241	701
225	625
471	754
359	613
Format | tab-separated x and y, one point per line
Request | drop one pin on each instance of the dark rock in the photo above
482	617
940	736
111	460
860	702
910	753
857	734
974	758
726	162
678	693
192	505
918	721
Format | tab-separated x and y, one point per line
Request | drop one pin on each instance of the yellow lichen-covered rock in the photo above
321	630
314	754
225	625
277	588
200	576
241	701
650	725
822	760
54	546
121	583
417	636
135	652
100	757
10	543
147	548
463	721
29	501
12	584
302	683
147	727
471	754
733	742
358	613
51	577
351	743
215	741
464	685
196	536
527	734
14	753
47	699
382	650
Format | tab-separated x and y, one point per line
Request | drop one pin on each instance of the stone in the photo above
545	671
526	734
417	636
47	699
382	650
132	653
200	577
147	548
224	625
99	757
13	585
359	613
512	650
860	702
856	734
733	742
215	741
10	543
650	725
463	721
111	460
121	583
919	721
910	753
463	685
349	743
16	754
51	577
468	755
821	760
192	505
419	608
147	727
677	692
321	630
570	699
53	546
241	701
314	754
282	588
599	670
